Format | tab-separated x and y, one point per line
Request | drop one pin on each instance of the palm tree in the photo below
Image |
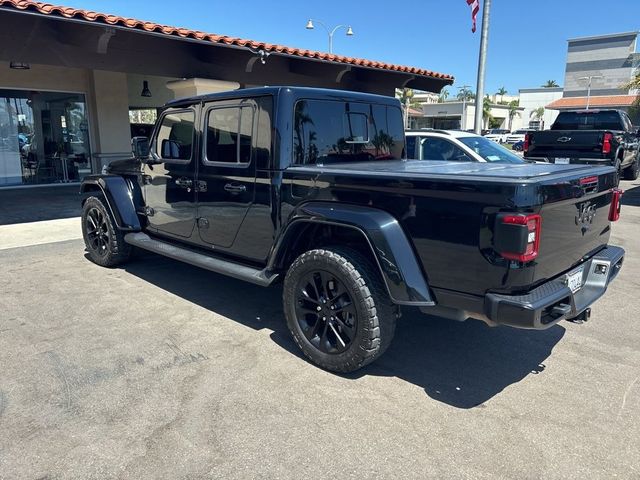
465	94
502	92
634	84
405	95
537	114
486	110
513	111
634	109
550	84
443	95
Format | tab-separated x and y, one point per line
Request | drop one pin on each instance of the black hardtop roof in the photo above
296	92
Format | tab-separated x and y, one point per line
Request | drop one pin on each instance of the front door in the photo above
170	175
226	178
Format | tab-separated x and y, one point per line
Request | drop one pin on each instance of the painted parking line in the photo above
38	233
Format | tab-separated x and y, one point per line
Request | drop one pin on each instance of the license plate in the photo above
574	279
562	160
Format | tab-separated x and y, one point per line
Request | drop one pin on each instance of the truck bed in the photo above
449	211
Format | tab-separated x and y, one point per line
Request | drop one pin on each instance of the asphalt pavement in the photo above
161	370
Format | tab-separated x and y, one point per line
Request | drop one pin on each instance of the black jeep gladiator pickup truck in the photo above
309	186
597	137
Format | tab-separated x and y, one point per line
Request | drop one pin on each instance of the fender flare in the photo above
118	196
394	254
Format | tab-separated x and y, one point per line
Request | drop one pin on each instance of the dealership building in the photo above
75	85
597	70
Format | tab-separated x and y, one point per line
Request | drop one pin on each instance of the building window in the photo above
44	137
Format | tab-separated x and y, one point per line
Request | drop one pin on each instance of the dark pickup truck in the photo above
598	137
308	187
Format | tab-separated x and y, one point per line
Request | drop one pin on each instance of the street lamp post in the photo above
311	26
589	78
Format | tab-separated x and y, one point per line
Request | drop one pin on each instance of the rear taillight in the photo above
525	147
606	142
614	210
517	236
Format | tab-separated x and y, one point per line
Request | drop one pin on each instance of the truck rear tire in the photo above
632	171
104	242
338	309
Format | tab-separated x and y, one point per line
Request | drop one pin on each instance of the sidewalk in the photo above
25	205
38	233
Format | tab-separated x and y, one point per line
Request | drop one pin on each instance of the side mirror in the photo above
140	148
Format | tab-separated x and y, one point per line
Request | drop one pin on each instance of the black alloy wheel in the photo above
104	242
97	232
325	312
338	309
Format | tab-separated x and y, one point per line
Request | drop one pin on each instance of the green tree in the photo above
513	111
634	109
537	114
550	84
444	94
465	94
486	111
405	95
502	92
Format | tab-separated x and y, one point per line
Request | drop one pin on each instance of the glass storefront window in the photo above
44	137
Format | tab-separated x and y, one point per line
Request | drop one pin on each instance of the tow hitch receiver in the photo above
582	318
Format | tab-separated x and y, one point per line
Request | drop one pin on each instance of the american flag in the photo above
475	7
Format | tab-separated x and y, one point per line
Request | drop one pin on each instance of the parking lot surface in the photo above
161	370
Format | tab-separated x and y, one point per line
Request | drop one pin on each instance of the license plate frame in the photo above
563	160
574	279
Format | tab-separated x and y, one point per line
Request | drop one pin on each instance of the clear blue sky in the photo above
527	40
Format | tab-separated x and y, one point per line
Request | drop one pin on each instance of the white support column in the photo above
110	107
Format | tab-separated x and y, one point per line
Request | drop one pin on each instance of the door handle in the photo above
184	182
235	188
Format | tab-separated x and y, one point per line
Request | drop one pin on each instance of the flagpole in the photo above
484	39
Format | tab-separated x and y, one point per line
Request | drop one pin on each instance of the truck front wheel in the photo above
104	242
337	308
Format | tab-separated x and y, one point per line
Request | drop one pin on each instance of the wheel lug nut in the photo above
319	308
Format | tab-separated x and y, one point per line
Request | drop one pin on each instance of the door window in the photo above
228	135
434	148
327	131
174	140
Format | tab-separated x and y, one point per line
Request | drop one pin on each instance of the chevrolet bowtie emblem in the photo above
564	139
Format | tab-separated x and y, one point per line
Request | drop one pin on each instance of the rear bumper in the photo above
553	301
581	160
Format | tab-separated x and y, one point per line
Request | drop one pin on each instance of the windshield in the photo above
594	120
490	151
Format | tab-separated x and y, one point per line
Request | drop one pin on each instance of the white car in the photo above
518	136
498	135
457	146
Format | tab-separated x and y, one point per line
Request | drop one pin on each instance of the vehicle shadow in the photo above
460	364
631	195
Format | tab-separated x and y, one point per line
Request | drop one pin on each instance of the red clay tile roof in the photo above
70	12
595	101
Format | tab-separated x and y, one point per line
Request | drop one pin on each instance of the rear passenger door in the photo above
226	177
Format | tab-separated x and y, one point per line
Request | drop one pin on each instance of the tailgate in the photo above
566	144
575	225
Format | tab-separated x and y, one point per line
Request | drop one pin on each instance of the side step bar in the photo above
241	272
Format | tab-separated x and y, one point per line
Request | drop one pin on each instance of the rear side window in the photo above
333	131
174	141
228	135
434	148
605	120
